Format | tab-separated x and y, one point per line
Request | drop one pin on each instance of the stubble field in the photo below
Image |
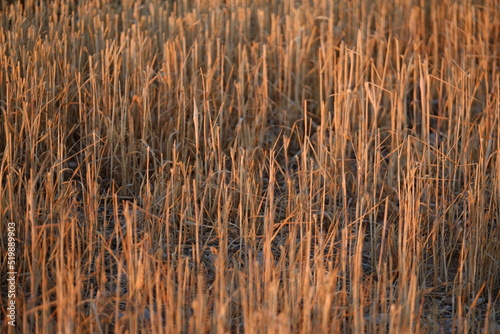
251	166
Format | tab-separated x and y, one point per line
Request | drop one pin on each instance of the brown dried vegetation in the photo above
252	166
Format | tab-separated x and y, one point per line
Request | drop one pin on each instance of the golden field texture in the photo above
251	166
